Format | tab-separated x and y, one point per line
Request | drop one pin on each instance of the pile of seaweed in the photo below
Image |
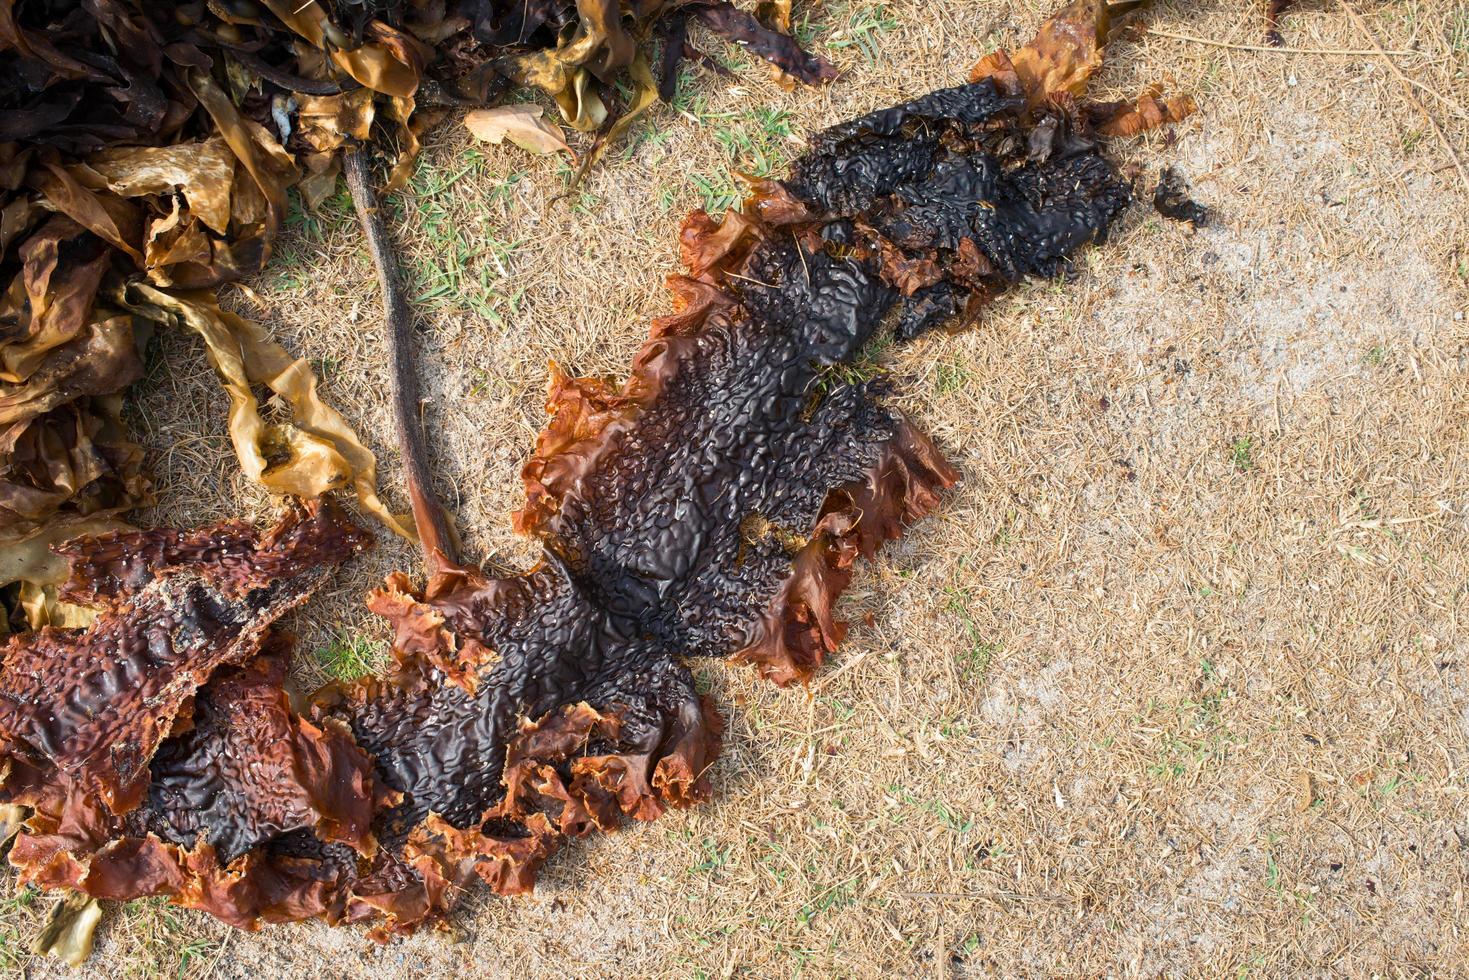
146	151
714	504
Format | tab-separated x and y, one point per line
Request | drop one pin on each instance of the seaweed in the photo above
166	718
1172	201
176	607
1274	10
775	46
713	504
146	154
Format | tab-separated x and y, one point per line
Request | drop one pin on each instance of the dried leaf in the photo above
521	123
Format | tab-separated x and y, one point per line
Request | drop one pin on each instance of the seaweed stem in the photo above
434	534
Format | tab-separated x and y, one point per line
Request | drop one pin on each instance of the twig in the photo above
432	524
802	253
997	896
1450	103
1443	137
736	275
1271	49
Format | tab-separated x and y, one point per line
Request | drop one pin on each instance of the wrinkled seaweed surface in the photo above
712	505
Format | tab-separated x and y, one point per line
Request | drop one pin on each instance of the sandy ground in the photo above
1173	683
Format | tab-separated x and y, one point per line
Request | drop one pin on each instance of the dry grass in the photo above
1175	682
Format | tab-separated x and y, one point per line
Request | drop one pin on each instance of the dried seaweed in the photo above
132	162
146	153
1148	111
176	606
713	504
1053	70
1171	200
165	711
1274	10
775	45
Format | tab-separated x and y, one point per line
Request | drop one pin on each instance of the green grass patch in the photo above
975	658
865	24
1196	735
348	657
950	376
1241	454
464	264
715	857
